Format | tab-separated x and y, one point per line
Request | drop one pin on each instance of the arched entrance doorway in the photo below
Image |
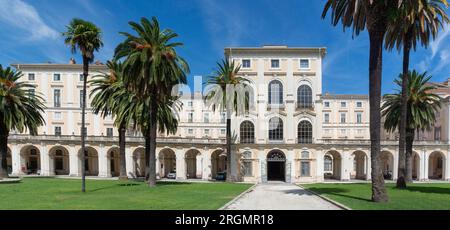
139	162
193	164
31	160
359	166
59	156
387	163
276	166
167	161
218	163
90	161
332	165
436	166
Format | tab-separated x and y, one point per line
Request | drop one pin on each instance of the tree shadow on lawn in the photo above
337	192
437	190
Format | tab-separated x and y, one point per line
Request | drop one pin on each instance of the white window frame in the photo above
300	64
34	77
279	63
54	75
250	62
57	118
345	118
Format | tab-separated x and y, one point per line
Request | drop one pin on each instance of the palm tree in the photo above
417	20
227	94
422	106
152	67
86	37
374	15
20	109
108	89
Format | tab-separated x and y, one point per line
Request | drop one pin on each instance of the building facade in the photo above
290	131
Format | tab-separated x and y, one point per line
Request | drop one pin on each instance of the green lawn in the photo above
416	196
51	194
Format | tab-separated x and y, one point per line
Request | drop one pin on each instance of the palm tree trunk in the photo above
409	154
3	152
228	176
401	181
152	154
147	153
83	123
123	165
376	34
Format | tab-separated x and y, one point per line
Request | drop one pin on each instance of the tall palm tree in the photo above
375	16
152	67
87	38
422	106
108	90
227	93
416	20
20	109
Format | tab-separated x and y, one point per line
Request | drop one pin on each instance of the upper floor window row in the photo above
275	63
31	77
304	63
246	63
57	77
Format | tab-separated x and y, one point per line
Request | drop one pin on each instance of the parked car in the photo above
388	175
221	176
172	175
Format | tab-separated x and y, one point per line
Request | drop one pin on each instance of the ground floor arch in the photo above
276	166
139	162
360	165
114	161
218	163
387	164
193	164
30	160
167	162
90	161
59	160
436	166
415	166
332	165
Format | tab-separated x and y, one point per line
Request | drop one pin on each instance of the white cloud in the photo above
436	44
25	17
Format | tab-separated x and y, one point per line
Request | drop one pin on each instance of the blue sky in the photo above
30	33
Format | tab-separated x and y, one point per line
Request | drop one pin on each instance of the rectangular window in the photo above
327	104
57	98
223	117
206	131
305	169
56	77
81	78
358	118
57	116
109	132
246	63
190	131
206	117
343	117
275	63
343	131
359	104
437	133
326	118
57	130
223	131
190	117
190	103
31	77
343	104
81	98
304	63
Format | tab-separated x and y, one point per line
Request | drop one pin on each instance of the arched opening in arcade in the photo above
114	161
31	160
59	160
276	166
139	162
167	161
387	165
332	165
436	166
90	161
193	164
218	163
359	166
415	166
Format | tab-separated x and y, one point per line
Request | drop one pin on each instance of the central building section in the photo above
276	136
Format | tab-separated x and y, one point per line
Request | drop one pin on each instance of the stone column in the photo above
290	166
319	165
181	164
234	163
447	167
129	162
206	175
262	166
104	166
425	165
45	161
75	162
368	166
345	166
15	160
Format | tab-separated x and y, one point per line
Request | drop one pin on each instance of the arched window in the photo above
247	163
304	97
304	132
328	163
275	93
247	132
275	129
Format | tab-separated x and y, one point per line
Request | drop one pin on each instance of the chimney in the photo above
72	61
